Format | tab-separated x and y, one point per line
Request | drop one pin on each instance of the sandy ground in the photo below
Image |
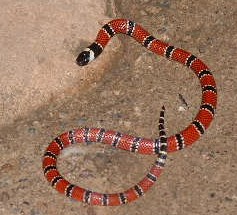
198	180
39	41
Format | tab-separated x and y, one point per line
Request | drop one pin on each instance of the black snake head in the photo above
83	58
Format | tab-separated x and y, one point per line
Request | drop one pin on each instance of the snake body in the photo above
160	146
115	139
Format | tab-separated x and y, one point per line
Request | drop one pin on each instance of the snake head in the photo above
84	58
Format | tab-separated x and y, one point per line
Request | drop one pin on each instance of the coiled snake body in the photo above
160	146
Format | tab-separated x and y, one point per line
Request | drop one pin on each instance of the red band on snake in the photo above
127	142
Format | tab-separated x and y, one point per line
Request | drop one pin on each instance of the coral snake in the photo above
160	146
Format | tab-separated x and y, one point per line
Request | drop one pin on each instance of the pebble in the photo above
32	130
165	4
181	109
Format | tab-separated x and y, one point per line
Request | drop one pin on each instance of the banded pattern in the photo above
160	146
209	93
115	139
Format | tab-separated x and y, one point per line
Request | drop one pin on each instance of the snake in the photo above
161	146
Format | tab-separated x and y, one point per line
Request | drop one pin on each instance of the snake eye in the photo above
83	58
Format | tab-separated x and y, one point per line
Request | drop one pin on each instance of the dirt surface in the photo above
39	42
198	180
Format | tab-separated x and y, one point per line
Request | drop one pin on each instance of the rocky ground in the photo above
43	94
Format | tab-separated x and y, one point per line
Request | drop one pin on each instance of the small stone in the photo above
116	92
137	111
32	130
165	4
212	195
181	109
